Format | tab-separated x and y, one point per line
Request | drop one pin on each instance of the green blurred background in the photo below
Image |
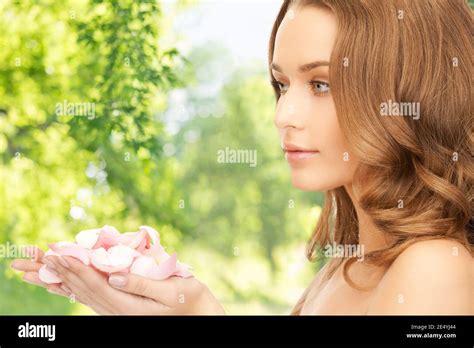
172	83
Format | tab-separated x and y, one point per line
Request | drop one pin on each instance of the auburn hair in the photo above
414	177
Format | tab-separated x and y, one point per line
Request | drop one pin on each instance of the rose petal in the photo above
147	267
144	245
157	252
47	277
71	249
133	240
142	266
164	270
108	237
152	233
183	270
117	258
88	238
109	251
50	252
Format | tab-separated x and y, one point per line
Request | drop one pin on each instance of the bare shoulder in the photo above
312	289
429	277
317	279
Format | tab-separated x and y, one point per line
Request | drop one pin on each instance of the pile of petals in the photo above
110	251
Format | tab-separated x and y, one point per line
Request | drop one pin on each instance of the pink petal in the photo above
58	246
88	238
152	233
147	267
183	270
109	251
142	266
157	252
47	277
144	245
108	237
116	259
50	252
71	249
133	240
164	270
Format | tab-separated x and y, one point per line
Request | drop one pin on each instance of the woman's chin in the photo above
312	183
306	184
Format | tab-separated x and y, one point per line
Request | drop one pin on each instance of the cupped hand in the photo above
122	293
30	269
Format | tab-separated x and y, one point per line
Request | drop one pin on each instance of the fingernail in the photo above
117	280
63	261
14	264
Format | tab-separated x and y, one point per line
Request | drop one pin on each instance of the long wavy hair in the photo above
414	178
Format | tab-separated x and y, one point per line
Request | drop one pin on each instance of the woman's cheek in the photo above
342	159
336	159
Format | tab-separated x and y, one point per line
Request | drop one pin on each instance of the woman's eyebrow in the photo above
303	68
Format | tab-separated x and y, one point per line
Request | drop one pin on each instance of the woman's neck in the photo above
370	237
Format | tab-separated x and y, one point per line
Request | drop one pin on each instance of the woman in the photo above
373	107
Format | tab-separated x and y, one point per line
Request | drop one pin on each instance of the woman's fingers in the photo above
76	271
26	265
117	301
35	253
164	291
63	290
58	290
33	278
85	283
70	279
91	285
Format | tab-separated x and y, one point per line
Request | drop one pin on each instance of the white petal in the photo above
88	238
115	259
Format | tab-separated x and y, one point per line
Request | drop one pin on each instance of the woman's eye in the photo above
320	88
281	87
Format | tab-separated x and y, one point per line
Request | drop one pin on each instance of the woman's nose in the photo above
289	113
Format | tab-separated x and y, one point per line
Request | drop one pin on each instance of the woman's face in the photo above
305	115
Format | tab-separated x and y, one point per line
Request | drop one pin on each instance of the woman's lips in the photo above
295	153
297	156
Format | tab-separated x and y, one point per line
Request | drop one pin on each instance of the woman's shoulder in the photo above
428	277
